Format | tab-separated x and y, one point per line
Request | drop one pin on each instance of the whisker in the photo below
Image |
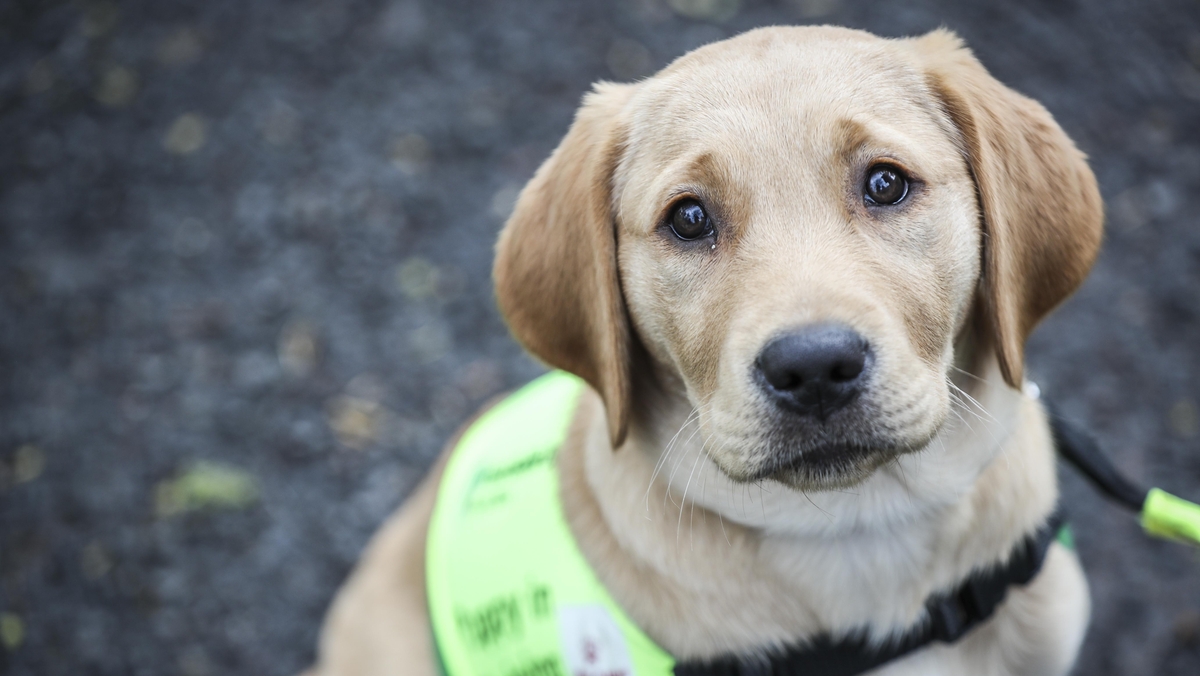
989	428
810	501
703	485
972	400
667	452
961	406
973	376
683	501
961	419
762	505
674	469
720	517
903	479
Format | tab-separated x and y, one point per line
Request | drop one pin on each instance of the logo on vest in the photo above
592	643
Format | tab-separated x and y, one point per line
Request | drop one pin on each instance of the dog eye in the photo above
885	185
690	221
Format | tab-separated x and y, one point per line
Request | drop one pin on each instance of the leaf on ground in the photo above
205	485
12	631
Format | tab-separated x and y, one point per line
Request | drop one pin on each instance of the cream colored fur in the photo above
773	129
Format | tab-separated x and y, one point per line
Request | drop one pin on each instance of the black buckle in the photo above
951	617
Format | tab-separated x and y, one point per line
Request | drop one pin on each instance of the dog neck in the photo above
707	565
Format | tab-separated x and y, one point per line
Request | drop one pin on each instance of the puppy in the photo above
797	269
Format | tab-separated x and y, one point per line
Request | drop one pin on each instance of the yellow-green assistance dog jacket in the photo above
510	594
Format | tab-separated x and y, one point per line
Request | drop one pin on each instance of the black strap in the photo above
949	617
1082	451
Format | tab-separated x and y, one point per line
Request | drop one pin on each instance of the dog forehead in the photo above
785	111
777	89
801	52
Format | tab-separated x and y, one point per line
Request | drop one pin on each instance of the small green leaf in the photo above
206	485
12	631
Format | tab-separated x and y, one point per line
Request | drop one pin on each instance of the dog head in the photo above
794	229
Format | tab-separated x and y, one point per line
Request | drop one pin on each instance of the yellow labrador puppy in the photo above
798	269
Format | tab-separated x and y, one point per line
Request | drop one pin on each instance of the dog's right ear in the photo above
556	261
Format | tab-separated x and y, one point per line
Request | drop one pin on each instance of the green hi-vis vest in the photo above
510	594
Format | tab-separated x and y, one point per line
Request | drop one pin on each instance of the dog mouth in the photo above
827	466
838	453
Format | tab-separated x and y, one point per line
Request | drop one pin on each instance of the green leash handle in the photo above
1162	514
1167	516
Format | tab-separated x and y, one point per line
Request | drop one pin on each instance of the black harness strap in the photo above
949	617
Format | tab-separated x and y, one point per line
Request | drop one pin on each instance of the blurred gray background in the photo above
245	296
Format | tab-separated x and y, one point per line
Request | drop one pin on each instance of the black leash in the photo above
1161	514
1083	452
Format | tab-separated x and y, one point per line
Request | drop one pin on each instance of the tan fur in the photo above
773	130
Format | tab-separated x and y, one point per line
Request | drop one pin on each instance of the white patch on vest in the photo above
592	643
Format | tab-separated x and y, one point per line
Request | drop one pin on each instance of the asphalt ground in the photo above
245	295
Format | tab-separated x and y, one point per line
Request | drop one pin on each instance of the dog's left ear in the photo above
1041	208
556	261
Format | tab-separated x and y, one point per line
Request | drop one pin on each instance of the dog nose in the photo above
815	371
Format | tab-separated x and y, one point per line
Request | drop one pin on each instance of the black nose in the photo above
815	371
